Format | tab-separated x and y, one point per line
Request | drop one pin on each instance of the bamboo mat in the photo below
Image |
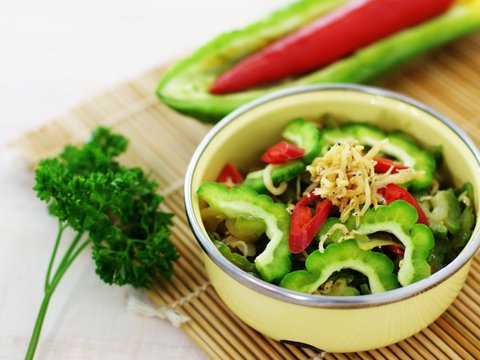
163	141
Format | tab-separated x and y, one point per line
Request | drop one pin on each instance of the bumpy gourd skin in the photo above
399	218
344	255
399	147
274	262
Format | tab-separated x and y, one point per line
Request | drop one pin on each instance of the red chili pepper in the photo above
303	226
301	216
331	37
383	165
281	153
395	249
394	192
229	175
307	199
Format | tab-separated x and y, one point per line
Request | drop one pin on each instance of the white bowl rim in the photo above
275	291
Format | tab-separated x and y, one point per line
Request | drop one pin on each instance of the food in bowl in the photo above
332	323
339	209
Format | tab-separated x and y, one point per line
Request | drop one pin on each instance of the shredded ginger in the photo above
346	176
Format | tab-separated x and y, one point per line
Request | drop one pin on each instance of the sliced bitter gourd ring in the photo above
306	136
399	219
399	147
274	262
345	255
280	173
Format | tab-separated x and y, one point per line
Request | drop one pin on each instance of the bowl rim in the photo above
310	300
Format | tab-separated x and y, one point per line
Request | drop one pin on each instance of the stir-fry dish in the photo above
339	209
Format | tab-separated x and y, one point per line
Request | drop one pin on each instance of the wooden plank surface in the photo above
163	141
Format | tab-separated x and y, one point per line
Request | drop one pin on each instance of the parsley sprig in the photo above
113	207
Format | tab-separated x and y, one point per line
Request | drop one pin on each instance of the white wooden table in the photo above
53	55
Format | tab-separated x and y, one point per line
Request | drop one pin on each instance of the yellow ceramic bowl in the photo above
335	324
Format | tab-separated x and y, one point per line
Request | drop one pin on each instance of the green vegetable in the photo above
336	236
364	242
438	255
212	218
446	210
185	86
467	223
365	289
467	219
306	136
108	205
399	219
280	173
236	259
451	226
319	266
399	147
246	228
274	262
466	195
339	286
443	213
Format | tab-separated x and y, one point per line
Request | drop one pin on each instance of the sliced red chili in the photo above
395	249
301	216
383	165
394	192
229	175
307	199
281	153
303	226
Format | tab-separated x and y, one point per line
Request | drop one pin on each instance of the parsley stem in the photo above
69	251
50	286
61	271
38	326
61	228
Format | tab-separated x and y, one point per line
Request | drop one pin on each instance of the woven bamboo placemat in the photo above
163	141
